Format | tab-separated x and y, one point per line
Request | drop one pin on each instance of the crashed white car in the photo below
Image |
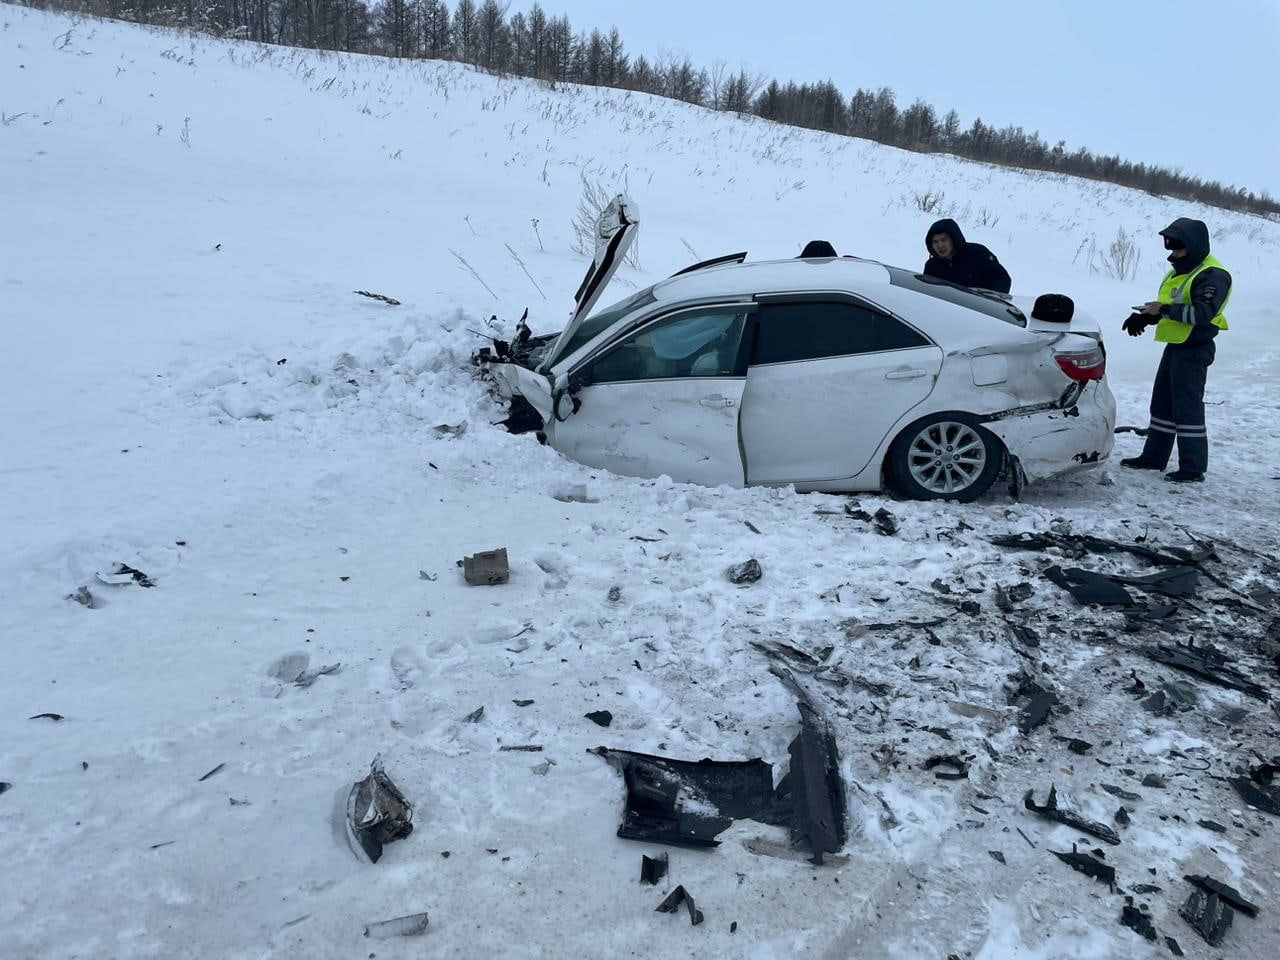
829	373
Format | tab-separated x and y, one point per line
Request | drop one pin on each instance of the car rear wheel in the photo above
948	456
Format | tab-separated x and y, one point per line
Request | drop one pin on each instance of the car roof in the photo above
774	276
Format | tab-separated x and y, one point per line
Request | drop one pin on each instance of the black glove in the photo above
1136	323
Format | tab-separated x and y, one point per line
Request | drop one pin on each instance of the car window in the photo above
811	330
987	302
597	324
700	343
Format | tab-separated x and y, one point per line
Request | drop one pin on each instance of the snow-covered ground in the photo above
194	390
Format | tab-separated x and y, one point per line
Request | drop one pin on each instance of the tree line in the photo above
545	47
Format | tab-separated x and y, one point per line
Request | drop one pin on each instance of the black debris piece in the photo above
1120	792
377	813
1051	811
211	773
653	869
615	594
1137	921
1208	915
1174	582
410	926
487	568
1146	888
751	526
1008	597
1037	712
676	897
1122	817
1229	894
809	799
747	572
1212	825
733	927
1087	864
522	703
1088	588
813	783
475	715
1077	545
1208	664
1265	798
1174	947
1170	698
522	748
941	587
1137	688
997	856
785	651
1024	634
1265	772
600	717
140	578
856	512
886	523
5	787
736	789
1154	781
959	768
1076	745
47	716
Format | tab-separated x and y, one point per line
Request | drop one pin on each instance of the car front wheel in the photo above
948	456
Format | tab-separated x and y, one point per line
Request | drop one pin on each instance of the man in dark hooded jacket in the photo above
1188	314
952	258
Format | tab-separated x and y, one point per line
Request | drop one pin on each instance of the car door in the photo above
828	377
664	399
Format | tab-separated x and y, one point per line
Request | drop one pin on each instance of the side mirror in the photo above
566	405
1053	308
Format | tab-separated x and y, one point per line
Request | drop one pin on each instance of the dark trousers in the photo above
1177	406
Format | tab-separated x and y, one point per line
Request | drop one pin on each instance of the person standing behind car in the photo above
1188	313
953	258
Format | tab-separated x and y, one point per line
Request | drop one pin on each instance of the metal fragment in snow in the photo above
408	926
377	813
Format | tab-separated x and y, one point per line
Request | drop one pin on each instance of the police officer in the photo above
1188	315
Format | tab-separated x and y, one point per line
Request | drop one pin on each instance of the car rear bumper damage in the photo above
1053	440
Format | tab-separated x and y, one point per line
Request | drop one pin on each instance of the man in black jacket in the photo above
952	258
1188	313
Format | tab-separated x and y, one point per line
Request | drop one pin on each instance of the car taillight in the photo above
1083	365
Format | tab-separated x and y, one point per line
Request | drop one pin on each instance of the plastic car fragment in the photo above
377	813
676	897
487	568
1087	864
1089	588
409	926
653	869
813	781
1207	664
1230	895
1208	915
746	572
1051	811
720	792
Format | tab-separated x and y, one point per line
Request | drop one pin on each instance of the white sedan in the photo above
829	373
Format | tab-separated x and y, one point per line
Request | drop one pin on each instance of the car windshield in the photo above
984	301
598	323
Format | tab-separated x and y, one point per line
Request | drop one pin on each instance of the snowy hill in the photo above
196	392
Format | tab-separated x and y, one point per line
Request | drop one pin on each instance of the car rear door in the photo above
828	377
664	399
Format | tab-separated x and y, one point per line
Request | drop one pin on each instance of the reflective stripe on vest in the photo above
1176	290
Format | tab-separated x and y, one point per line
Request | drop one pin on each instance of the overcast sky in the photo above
1188	84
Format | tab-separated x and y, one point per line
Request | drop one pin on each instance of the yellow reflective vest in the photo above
1176	290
